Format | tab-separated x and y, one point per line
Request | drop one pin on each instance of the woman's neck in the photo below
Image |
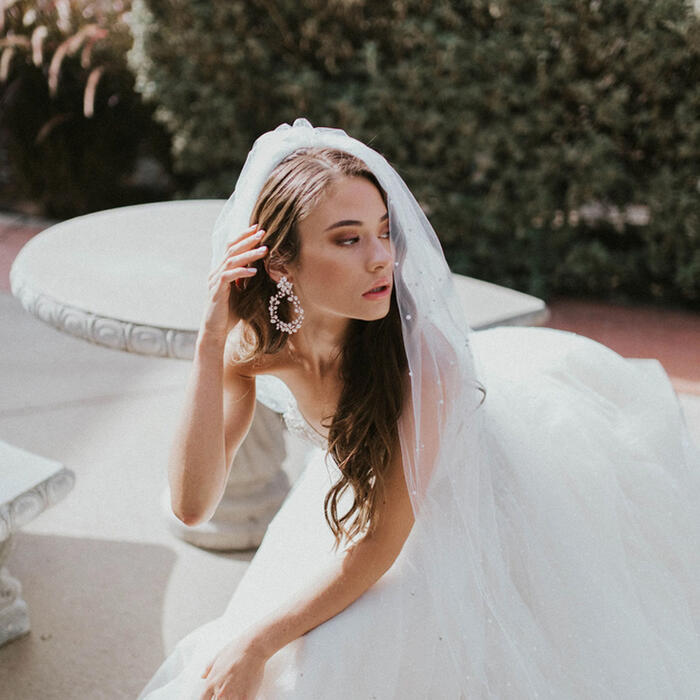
317	346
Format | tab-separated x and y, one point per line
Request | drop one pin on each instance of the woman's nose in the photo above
380	254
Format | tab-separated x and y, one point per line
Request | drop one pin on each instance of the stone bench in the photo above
135	279
29	484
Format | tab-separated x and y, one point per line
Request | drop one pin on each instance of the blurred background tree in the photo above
74	134
553	145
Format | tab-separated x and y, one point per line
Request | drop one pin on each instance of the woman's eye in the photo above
349	241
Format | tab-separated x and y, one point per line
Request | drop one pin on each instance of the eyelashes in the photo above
345	241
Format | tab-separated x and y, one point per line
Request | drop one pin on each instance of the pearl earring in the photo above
285	290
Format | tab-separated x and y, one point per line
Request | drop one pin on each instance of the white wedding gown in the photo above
585	445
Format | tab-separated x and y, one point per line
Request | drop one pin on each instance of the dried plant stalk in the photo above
91	90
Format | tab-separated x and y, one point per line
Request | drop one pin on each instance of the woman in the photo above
519	505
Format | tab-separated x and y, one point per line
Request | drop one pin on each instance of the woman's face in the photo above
345	251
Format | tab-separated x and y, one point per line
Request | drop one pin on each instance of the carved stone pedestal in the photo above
14	615
29	484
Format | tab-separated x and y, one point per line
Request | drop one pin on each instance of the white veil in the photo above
476	596
441	431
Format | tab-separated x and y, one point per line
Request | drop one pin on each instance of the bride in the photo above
506	513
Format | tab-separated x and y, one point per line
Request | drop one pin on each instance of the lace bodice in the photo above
297	424
275	394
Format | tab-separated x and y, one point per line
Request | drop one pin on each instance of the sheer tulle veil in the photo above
441	429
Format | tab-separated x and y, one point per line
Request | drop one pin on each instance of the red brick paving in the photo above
671	336
12	239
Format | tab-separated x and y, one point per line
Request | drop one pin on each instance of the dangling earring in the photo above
285	290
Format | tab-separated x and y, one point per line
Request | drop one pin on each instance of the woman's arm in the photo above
345	581
239	666
218	411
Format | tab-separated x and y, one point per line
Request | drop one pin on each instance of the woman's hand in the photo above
240	252
235	673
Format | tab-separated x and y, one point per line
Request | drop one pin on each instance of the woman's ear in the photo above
276	272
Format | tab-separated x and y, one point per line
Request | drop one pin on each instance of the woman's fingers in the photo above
231	276
244	241
243	258
233	248
236	260
208	668
247	256
244	233
236	247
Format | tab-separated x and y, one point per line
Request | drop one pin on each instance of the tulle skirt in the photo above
596	484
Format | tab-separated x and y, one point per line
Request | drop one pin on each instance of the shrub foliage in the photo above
71	124
553	145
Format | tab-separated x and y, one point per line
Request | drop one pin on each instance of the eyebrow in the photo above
352	222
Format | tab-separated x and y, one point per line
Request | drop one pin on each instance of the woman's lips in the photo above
384	291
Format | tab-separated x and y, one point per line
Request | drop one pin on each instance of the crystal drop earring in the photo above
285	290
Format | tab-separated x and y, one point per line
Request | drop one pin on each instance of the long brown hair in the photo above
363	433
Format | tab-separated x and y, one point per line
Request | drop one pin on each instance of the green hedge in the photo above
553	145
